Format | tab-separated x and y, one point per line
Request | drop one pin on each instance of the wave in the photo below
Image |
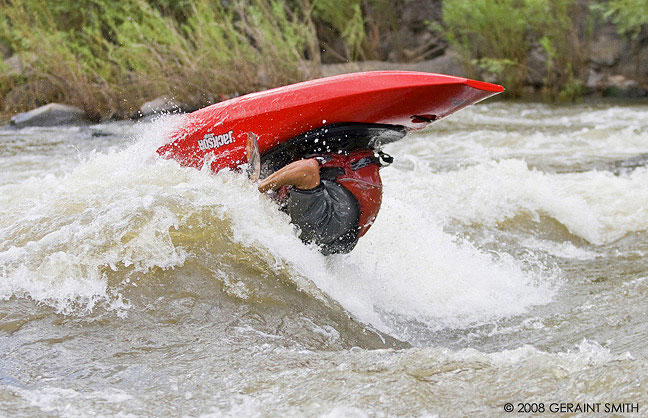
587	371
98	235
576	138
597	206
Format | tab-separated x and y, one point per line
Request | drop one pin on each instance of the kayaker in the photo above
333	198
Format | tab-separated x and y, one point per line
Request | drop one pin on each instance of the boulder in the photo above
607	47
159	105
642	59
52	114
352	67
595	80
634	63
536	62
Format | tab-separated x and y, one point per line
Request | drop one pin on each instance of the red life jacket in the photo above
360	176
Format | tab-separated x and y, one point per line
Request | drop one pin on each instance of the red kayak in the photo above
373	108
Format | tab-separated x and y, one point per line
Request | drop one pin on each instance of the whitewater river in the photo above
508	264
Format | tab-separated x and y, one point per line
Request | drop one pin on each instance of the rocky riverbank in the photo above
604	81
601	59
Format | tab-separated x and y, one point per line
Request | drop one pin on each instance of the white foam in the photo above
597	206
345	412
118	209
505	130
559	249
60	400
61	236
408	267
240	406
584	354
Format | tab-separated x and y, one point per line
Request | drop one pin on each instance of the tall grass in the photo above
108	57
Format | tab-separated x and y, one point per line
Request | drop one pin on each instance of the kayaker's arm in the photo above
303	174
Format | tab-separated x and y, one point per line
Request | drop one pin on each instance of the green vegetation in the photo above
630	16
108	57
498	36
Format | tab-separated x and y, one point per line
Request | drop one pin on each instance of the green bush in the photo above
496	36
109	57
630	16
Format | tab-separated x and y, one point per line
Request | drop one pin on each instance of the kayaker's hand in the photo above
303	174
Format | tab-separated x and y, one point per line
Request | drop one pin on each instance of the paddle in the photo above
253	157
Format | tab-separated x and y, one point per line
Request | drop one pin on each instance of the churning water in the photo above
508	264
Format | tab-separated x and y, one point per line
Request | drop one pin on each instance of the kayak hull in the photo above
218	133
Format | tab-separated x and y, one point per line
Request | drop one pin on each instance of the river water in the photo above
508	264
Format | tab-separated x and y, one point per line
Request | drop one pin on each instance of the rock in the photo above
52	114
634	63
595	80
642	59
413	37
529	92
416	14
350	67
158	105
537	66
607	47
617	80
622	88
449	63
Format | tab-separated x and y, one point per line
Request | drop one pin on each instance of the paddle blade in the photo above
253	157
